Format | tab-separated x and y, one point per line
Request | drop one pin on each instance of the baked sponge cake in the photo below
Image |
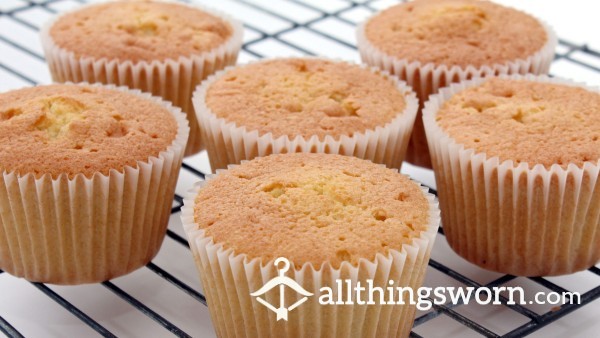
69	129
164	48
330	216
432	43
304	105
525	199
456	32
139	31
526	121
88	175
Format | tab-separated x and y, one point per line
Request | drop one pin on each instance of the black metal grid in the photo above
536	321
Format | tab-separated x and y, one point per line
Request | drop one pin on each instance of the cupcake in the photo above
517	162
88	176
158	47
432	43
331	218
304	105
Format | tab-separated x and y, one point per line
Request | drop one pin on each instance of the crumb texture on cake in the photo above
139	31
313	208
72	129
305	97
526	121
456	32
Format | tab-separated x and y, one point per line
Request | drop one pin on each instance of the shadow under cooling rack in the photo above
290	27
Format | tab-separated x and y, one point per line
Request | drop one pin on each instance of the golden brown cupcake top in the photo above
526	121
305	97
311	208
74	129
456	32
139	31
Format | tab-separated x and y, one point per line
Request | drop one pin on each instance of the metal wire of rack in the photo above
319	23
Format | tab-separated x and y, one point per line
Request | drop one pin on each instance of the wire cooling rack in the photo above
163	299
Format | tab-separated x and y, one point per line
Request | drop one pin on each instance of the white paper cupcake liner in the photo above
81	230
513	218
173	80
428	78
228	143
228	278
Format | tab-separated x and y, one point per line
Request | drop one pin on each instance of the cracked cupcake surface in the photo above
74	129
313	208
139	31
526	121
456	32
305	97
